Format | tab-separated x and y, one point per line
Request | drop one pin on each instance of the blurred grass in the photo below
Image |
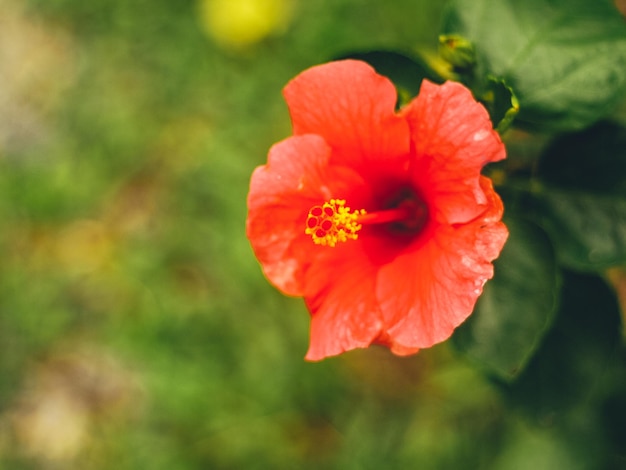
136	329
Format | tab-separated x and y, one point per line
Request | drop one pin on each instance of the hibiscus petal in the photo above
431	289
353	108
453	139
342	301
296	178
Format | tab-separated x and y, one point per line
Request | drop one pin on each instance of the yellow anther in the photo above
332	222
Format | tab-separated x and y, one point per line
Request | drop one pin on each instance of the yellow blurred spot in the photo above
84	246
54	428
65	400
240	23
37	68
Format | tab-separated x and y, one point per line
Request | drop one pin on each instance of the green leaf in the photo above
588	230
406	72
501	103
576	381
565	59
580	361
583	201
591	160
517	305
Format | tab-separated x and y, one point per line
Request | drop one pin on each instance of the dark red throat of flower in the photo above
333	222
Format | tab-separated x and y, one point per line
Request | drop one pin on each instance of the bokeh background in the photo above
136	328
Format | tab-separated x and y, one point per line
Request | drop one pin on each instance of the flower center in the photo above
333	222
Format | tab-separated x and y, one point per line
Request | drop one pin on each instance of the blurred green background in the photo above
136	328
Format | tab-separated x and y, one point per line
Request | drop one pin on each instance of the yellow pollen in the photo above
332	222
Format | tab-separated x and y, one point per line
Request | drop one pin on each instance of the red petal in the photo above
453	139
341	299
353	108
428	291
296	178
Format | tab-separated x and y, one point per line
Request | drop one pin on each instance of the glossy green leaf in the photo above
591	160
583	203
577	372
588	230
517	305
565	59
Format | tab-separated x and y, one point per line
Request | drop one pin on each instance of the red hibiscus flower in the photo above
380	219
